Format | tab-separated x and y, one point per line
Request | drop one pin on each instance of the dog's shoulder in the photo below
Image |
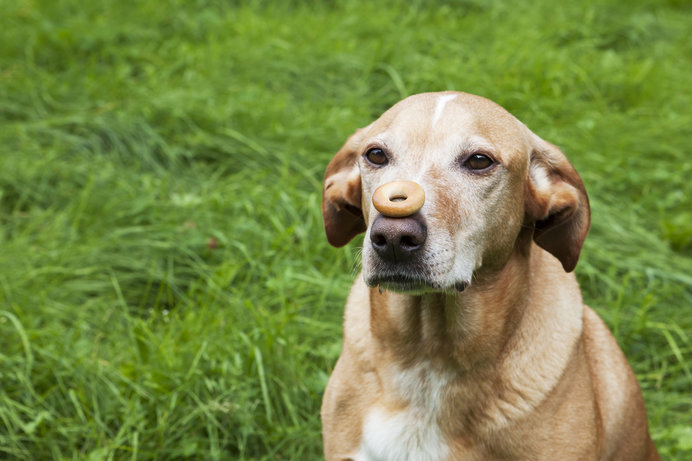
616	389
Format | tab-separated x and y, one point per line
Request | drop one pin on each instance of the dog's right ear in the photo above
341	194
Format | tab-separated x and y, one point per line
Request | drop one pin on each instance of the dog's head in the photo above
487	179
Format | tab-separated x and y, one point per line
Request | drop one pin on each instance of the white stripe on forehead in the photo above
440	107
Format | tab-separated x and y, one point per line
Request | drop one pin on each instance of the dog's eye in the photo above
377	157
478	162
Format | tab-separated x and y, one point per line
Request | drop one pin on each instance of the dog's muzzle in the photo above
398	234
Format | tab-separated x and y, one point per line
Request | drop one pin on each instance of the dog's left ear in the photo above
342	193
557	203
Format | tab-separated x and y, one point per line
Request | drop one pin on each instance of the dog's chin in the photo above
406	284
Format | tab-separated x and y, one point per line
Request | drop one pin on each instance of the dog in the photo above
465	335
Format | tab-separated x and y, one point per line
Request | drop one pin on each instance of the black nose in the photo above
398	239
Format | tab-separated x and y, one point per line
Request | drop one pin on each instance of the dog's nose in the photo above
397	239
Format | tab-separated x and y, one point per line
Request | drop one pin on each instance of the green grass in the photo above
166	291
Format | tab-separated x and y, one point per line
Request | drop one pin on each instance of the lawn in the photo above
166	290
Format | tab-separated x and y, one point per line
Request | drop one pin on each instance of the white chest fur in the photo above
411	433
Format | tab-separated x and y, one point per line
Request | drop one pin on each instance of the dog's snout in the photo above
397	239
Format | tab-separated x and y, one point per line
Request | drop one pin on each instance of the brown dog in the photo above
465	337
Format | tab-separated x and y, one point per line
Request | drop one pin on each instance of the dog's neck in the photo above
460	350
472	330
451	329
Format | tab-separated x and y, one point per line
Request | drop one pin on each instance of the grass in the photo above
166	291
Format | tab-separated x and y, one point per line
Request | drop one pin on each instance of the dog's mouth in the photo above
411	284
426	273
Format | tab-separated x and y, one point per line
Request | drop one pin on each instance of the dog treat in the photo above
398	199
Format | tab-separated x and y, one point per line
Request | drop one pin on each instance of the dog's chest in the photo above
412	431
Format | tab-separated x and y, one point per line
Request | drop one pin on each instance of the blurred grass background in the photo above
166	291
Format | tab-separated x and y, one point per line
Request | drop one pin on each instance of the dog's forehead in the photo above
448	118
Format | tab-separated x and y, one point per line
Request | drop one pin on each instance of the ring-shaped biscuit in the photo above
398	199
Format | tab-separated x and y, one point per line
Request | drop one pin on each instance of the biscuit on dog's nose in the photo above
398	199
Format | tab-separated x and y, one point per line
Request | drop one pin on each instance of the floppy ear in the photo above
556	201
341	194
